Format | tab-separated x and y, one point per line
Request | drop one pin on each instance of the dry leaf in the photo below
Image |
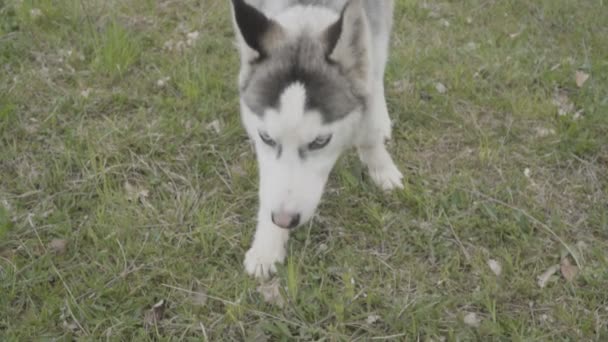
71	327
543	279
215	126
371	319
35	13
495	266
563	103
515	34
581	78
58	246
542	132
162	82
154	315
135	193
441	89
568	270
272	293
192	37
472	320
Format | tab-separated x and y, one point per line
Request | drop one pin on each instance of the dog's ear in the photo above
347	40
257	34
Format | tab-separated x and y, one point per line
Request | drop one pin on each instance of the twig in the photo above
464	251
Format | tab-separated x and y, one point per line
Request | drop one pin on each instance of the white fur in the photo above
294	184
289	183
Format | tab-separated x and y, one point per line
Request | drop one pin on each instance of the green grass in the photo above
82	114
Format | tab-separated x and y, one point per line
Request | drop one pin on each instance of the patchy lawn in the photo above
126	181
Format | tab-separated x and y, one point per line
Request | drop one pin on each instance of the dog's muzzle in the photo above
286	220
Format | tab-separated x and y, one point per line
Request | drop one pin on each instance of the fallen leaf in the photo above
216	126
58	246
581	77
563	103
35	13
543	279
162	82
515	34
441	89
192	37
72	327
371	319
472	320
271	293
495	266
542	132
568	270
155	314
135	193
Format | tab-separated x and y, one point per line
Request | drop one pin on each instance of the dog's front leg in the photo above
372	150
268	247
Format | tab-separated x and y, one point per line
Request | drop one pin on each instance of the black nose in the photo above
285	220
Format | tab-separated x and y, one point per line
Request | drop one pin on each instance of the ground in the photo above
126	181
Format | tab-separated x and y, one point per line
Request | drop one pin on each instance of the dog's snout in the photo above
286	220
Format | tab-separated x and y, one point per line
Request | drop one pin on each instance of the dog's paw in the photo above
387	177
261	263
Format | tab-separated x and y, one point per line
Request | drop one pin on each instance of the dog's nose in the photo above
286	220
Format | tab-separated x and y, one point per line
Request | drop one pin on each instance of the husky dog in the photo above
311	85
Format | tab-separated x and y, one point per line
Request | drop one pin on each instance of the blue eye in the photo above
319	142
267	139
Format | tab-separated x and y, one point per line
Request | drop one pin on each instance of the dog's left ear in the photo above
347	40
257	34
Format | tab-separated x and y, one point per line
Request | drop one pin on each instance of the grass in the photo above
106	146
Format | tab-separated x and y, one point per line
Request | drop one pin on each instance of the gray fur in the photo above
333	90
303	61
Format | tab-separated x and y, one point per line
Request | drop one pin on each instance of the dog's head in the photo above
304	85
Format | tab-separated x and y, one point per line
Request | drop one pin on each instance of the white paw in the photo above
260	263
387	177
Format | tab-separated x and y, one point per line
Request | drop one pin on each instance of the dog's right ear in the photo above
257	33
347	41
